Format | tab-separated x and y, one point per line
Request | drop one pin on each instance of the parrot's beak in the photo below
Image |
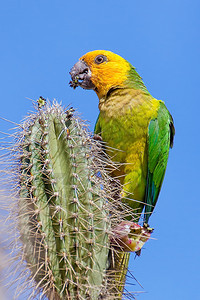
81	76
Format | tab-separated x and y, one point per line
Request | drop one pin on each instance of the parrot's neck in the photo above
132	81
135	81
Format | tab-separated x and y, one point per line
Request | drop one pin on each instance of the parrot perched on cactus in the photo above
137	129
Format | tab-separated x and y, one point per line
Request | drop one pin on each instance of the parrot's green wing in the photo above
160	138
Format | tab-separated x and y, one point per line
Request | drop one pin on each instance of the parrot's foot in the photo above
130	237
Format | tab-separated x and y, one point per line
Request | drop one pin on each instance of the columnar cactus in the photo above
63	219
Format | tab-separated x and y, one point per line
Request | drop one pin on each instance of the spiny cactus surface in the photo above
63	218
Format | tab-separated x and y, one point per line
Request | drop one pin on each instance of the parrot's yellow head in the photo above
101	71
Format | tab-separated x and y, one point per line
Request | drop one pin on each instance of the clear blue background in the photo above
40	42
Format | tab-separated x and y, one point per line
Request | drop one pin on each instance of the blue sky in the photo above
40	42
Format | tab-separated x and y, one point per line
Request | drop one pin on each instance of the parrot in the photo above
137	132
137	129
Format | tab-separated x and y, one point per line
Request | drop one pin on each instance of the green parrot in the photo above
137	129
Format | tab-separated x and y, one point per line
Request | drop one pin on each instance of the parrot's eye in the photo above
99	59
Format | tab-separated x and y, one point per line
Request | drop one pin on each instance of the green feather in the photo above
97	128
135	81
160	138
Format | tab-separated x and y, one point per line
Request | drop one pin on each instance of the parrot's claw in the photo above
138	253
130	237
